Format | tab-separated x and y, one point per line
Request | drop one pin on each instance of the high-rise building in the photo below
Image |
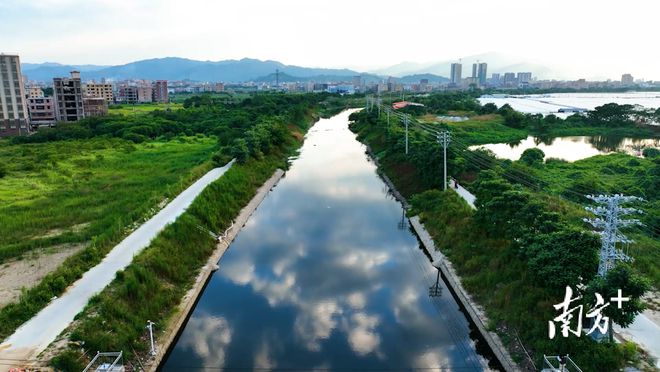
456	74
524	77
102	90
482	73
627	79
42	111
160	91
509	78
144	93
68	98
127	94
475	66
13	107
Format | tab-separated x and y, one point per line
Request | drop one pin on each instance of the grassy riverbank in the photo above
499	254
155	282
95	180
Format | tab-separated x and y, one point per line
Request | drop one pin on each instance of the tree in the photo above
3	170
240	150
533	156
631	284
489	108
563	258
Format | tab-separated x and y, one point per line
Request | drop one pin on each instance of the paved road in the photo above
37	333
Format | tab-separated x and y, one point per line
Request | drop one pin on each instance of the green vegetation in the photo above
527	240
153	285
111	184
141	108
115	171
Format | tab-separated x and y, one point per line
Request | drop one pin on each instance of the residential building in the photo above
455	77
160	91
102	90
219	87
35	92
482	73
127	94
95	106
144	93
68	98
627	80
42	111
475	66
13	106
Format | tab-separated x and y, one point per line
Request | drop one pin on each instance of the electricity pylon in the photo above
608	220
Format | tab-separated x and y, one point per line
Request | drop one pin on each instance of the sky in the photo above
577	38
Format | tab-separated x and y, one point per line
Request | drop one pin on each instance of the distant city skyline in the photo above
585	39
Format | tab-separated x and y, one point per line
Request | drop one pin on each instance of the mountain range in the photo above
246	69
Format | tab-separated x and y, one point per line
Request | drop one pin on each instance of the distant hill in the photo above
173	68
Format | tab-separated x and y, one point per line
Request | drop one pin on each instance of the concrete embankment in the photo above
167	338
475	313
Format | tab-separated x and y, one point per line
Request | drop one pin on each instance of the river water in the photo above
326	275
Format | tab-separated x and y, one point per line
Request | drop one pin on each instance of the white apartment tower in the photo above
13	107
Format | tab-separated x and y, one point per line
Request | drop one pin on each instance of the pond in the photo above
571	148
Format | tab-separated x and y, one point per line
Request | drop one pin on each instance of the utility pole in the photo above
150	327
444	138
378	102
608	219
387	110
435	290
405	121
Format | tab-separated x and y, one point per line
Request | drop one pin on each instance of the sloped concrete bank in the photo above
475	313
167	339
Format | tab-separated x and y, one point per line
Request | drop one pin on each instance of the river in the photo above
326	275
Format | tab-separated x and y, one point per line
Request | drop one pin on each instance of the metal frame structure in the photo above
117	364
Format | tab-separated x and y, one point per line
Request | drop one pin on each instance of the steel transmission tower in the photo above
444	138
609	220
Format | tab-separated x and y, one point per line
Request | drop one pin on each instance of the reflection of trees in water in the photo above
514	144
546	140
606	143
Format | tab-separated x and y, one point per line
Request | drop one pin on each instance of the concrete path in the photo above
463	193
37	333
644	332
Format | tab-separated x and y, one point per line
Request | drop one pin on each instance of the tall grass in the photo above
105	186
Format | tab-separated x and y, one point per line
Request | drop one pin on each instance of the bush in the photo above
650	152
533	156
3	170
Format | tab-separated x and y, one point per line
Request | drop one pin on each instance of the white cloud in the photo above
208	337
